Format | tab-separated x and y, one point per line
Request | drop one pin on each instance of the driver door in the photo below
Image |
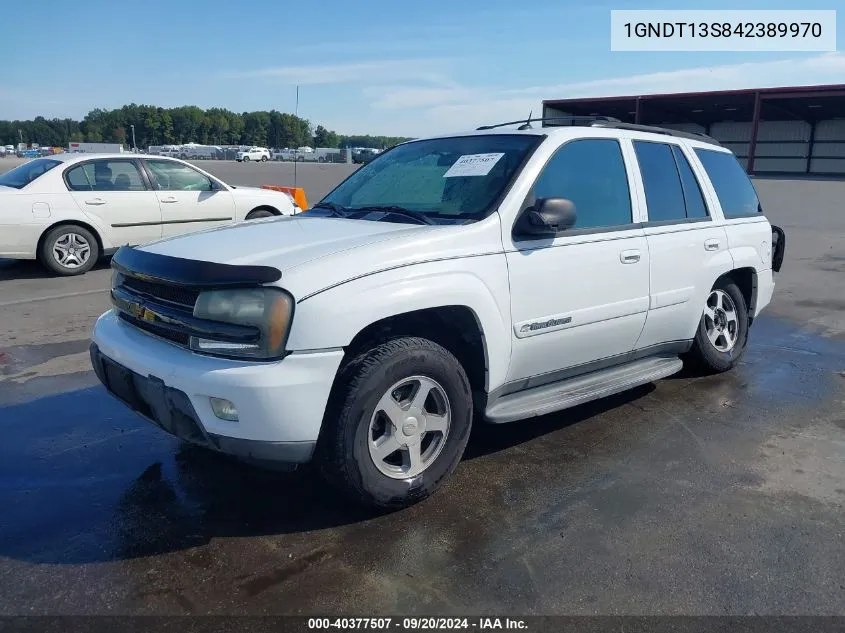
189	200
581	297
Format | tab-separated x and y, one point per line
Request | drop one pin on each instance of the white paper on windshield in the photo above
473	165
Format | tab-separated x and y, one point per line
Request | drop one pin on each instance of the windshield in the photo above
21	176
456	178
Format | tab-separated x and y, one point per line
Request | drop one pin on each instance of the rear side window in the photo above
105	175
671	189
693	198
736	194
590	173
664	195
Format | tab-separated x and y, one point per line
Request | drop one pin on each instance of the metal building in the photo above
795	130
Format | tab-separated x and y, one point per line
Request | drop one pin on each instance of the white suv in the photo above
254	153
486	277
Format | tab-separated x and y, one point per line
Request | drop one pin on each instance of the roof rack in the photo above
607	122
620	125
526	123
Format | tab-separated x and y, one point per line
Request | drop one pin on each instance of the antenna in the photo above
527	124
296	115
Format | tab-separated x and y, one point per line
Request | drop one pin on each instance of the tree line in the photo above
185	124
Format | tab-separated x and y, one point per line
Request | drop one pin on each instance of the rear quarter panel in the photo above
25	216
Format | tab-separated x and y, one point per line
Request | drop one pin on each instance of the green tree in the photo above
325	138
183	124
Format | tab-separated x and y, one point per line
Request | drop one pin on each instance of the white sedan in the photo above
68	210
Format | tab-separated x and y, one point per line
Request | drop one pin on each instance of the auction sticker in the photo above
473	165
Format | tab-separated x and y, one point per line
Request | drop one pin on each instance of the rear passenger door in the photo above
688	250
190	200
113	193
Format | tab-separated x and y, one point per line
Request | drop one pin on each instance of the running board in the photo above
574	391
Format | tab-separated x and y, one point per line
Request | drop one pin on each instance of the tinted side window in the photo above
696	207
78	179
105	175
590	173
663	193
172	176
733	186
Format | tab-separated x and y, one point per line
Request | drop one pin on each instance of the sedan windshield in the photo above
447	179
21	176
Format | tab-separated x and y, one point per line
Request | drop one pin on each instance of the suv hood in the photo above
281	242
317	252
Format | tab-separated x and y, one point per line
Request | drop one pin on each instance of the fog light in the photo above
224	409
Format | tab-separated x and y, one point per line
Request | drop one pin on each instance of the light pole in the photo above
134	146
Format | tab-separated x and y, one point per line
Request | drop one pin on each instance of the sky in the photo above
365	67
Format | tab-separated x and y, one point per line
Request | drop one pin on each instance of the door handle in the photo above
95	201
169	199
711	245
629	257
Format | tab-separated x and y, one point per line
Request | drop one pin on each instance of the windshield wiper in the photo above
336	209
422	218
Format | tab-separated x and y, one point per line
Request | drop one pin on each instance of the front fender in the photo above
332	318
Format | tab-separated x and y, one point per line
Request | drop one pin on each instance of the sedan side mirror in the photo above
547	217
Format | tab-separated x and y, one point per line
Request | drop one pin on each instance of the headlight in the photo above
268	309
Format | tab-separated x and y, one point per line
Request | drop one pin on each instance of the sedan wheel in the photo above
69	250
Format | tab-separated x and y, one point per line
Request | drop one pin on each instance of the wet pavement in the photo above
694	495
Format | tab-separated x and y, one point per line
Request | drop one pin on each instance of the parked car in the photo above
67	210
486	277
254	153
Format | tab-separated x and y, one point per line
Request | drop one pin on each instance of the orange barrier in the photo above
298	194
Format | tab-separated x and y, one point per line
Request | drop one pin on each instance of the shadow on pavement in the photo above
31	269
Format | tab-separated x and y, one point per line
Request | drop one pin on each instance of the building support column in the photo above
755	126
810	145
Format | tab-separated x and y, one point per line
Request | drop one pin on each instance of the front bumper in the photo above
280	404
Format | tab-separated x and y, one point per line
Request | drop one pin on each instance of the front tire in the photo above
722	334
397	423
246	159
259	213
69	250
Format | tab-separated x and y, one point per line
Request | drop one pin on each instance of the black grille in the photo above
180	338
163	292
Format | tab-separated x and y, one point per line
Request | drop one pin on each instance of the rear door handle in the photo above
169	199
629	257
711	245
95	201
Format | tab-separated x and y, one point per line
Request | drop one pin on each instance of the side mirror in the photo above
548	217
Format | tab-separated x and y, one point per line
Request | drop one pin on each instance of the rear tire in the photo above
263	159
722	333
69	250
409	393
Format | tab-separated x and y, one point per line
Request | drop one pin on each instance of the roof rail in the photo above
619	125
527	122
608	122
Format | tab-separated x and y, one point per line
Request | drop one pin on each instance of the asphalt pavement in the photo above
693	495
